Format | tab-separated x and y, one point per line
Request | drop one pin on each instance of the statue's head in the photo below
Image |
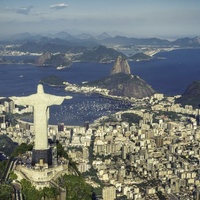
40	89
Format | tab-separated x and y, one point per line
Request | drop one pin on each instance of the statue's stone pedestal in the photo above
41	157
41	177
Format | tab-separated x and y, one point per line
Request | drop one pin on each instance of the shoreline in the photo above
167	49
151	53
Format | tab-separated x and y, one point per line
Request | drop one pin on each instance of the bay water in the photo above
169	73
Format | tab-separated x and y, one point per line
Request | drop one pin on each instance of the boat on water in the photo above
62	67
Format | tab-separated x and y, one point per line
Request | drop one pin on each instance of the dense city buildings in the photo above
150	151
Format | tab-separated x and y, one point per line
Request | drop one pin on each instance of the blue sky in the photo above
135	18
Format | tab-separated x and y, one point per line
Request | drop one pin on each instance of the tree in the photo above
76	188
3	165
62	153
31	193
131	118
6	192
12	175
49	193
21	149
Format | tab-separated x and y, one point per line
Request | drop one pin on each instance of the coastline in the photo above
144	65
151	52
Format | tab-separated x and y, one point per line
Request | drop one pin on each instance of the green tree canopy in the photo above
6	192
131	118
21	149
76	188
31	193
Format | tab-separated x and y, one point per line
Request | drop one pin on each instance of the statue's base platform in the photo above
41	177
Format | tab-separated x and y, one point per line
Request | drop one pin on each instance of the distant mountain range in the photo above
89	48
89	40
45	44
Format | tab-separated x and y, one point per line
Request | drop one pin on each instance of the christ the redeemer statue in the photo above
41	102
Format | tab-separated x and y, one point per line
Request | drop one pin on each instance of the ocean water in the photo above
173	73
18	79
169	73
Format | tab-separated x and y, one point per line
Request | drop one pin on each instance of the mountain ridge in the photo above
106	39
100	54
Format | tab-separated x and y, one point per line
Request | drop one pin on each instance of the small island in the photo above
53	81
140	57
60	60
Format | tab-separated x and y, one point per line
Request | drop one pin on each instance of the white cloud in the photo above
21	10
58	6
24	10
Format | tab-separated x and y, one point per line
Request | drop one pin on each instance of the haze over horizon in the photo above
132	18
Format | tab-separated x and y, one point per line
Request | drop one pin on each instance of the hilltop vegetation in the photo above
52	80
140	57
100	54
76	187
131	118
122	84
53	60
21	149
191	96
6	191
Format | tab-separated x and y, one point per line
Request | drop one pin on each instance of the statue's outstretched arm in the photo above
22	100
57	100
14	98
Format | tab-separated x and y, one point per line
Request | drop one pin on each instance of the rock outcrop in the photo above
130	86
58	60
126	85
122	83
193	89
42	59
121	66
191	96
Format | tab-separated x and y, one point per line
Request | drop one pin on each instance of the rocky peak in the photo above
41	60
197	40
121	66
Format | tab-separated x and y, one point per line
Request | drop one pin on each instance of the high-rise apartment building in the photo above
109	193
